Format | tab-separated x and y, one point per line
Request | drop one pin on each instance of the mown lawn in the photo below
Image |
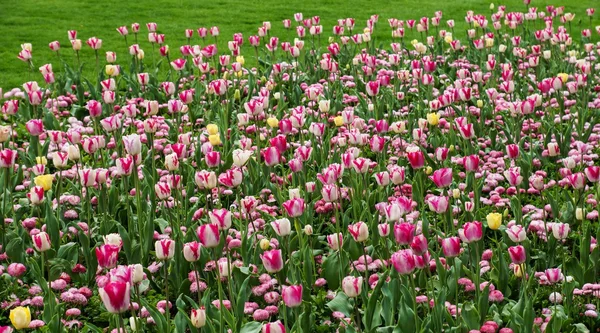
40	22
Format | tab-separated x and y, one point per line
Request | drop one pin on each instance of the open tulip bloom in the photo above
317	182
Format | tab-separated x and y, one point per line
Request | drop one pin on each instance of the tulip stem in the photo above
121	324
167	309
6	195
220	290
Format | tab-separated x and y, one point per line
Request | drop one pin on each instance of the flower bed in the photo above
339	185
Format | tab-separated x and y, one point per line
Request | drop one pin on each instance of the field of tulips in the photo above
337	184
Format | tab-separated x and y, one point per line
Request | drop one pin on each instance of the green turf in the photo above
40	22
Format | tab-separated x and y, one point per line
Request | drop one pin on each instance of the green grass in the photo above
40	22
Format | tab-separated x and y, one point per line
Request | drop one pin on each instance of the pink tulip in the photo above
512	151
471	163
438	204
442	177
94	108
165	249
416	159
35	127
272	260
560	231
593	173
41	242
107	255
516	233
292	295
404	233
577	180
335	241
294	207
115	296
352	286
94	43
178	64
275	327
372	88
209	235
36	195
213	159
192	251
220	217
271	156
451	246
404	261
517	254
472	232
513	176
359	231
553	275
419	245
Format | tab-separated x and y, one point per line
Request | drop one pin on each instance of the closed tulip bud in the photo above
352	286
209	235
404	233
107	255
451	247
516	233
36	195
517	254
494	220
116	296
220	217
41	242
172	162
282	227
294	207
165	249
76	44
560	231
471	232
359	231
553	149
198	317
404	261
308	230
272	261
292	295
192	251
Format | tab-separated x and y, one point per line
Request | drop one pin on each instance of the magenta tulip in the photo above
404	233
272	260
115	296
107	255
442	177
292	295
451	246
209	235
517	254
404	261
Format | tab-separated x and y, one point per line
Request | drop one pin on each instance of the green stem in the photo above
167	310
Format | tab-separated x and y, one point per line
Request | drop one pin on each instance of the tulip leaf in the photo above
331	270
581	328
341	303
244	293
372	317
14	248
158	317
251	327
470	316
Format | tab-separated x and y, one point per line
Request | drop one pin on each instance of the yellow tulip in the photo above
212	129
563	77
494	220
45	181
428	170
240	59
272	122
339	121
433	118
479	103
264	244
214	139
20	317
41	160
236	94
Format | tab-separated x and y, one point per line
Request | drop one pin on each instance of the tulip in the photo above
209	235
272	260
352	286
41	242
472	232
517	254
20	317
294	207
115	296
560	231
292	295
577	180
107	255
512	151
403	261
198	317
494	220
471	162
165	249
553	275
162	190
442	177
419	245
359	231
220	217
7	158
335	241
275	327
404	233
192	251
516	233
282	227
438	204
416	159
451	246
36	195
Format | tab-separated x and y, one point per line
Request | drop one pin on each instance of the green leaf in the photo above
470	316
251	327
331	270
341	303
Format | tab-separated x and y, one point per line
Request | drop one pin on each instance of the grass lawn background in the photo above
40	22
